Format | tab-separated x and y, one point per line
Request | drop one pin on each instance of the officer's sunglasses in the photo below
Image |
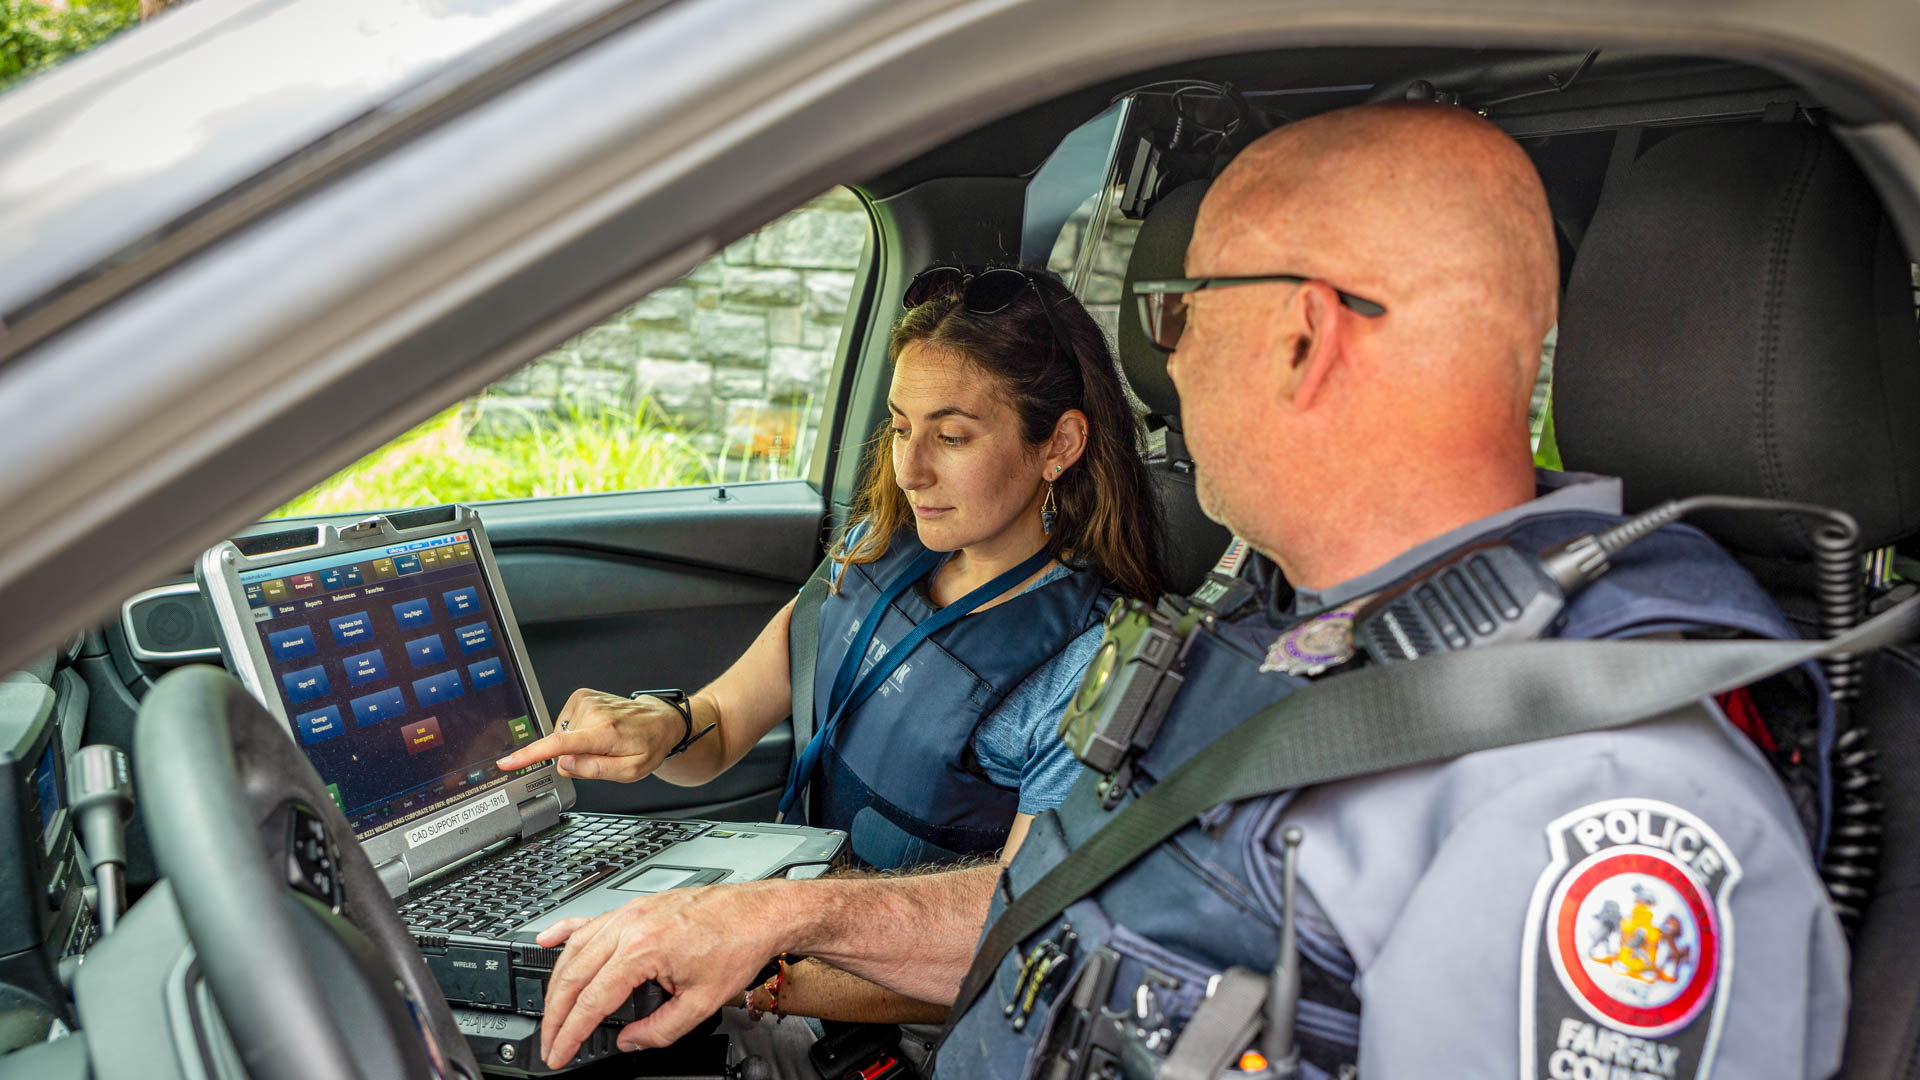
1163	304
988	292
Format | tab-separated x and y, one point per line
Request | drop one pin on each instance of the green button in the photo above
334	791
522	731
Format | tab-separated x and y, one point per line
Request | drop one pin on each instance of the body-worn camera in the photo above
1128	686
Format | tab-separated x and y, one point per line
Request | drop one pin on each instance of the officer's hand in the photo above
702	945
601	736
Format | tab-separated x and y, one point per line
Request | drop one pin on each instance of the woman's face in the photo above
958	454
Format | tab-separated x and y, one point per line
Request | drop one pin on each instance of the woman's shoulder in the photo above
848	540
902	545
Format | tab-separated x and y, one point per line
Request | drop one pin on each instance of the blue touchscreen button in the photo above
487	672
366	667
412	613
426	651
332	579
319	725
406	564
435	689
463	601
306	683
377	706
351	629
292	644
350	575
475	637
255	597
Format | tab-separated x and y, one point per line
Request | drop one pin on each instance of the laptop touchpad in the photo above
661	878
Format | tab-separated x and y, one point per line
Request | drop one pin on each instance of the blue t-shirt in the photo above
1018	744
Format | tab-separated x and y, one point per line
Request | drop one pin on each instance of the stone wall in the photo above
736	354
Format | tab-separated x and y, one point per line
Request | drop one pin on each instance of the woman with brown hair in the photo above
1003	505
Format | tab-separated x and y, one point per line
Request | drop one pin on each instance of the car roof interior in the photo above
961	201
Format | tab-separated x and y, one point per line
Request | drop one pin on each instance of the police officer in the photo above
1639	903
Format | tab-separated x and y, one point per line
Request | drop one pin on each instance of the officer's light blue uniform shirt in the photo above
1018	744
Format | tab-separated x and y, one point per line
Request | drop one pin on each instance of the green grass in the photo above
479	451
37	34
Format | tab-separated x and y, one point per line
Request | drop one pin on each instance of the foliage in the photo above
1546	448
37	34
480	451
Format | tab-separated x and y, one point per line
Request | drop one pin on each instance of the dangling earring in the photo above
1048	511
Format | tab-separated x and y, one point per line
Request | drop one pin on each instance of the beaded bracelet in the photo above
772	986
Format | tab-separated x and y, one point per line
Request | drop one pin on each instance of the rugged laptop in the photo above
389	650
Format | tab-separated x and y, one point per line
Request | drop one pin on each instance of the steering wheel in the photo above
303	950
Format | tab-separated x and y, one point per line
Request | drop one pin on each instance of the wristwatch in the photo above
677	699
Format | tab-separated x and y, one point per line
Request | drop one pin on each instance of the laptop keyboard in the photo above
498	893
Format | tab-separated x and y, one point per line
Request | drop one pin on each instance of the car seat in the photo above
1740	320
1193	541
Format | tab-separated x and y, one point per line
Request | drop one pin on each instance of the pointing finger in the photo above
540	749
592	740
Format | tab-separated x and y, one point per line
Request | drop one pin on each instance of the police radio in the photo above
1128	686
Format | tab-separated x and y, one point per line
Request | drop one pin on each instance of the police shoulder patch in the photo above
1628	950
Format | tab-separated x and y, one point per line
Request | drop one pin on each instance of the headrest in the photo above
1159	251
1740	320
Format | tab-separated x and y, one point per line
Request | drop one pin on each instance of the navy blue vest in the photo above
1210	897
900	774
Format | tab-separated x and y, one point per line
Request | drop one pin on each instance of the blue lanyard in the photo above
848	694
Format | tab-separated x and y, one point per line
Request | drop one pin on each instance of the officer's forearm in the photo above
911	933
814	988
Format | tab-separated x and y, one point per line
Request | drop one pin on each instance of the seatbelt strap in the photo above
803	649
1393	716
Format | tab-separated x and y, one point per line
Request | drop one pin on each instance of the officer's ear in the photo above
1312	344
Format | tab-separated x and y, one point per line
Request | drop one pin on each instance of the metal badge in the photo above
1313	645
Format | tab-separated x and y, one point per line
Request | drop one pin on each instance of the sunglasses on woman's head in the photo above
988	292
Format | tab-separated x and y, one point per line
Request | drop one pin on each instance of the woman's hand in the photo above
600	736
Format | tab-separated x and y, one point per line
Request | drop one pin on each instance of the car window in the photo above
719	377
1091	255
38	34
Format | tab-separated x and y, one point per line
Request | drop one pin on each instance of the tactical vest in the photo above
1210	898
900	775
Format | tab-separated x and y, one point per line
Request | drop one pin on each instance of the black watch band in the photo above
677	699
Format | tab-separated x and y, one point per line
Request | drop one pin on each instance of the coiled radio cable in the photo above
1852	856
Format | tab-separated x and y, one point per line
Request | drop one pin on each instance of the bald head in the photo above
1310	420
1426	208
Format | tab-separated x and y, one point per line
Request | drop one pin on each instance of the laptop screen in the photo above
394	670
